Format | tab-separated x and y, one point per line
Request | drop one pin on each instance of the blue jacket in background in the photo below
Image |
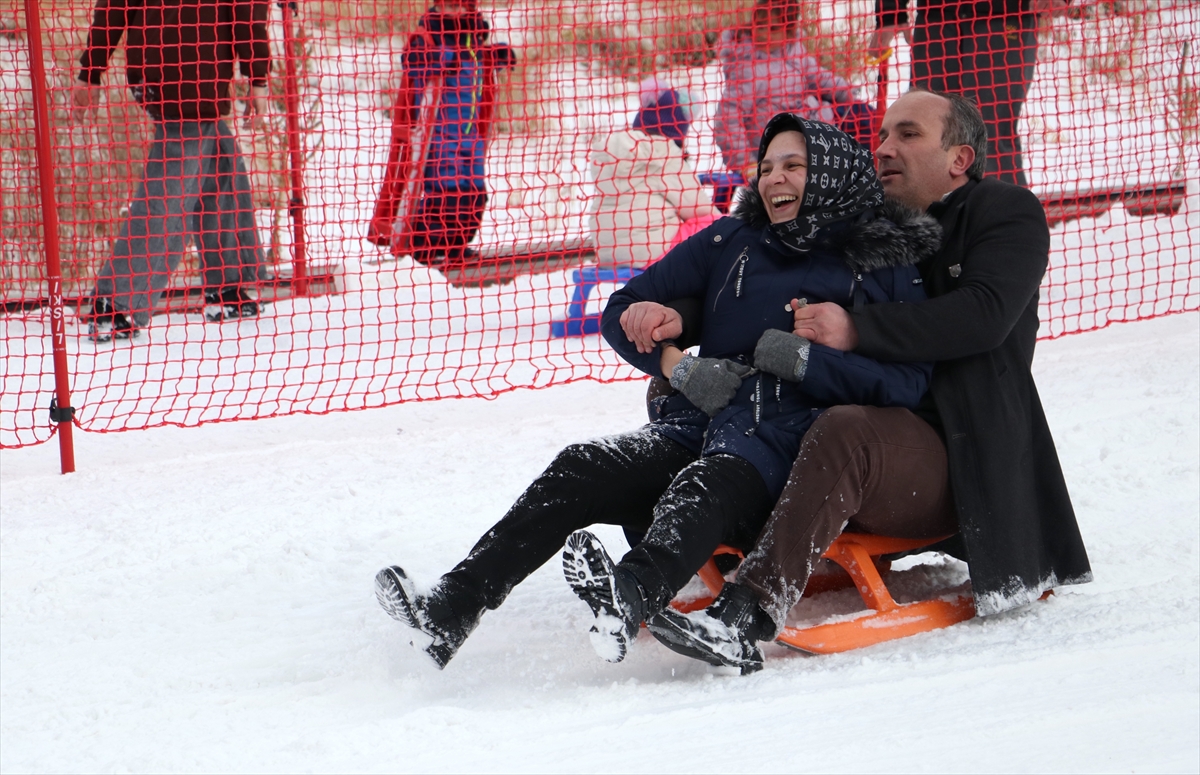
454	48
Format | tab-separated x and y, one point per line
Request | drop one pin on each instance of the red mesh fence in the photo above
439	209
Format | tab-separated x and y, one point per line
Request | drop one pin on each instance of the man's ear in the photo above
961	160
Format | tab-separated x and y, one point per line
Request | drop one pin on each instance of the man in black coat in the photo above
1017	526
1017	529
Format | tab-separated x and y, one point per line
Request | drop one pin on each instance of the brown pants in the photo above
861	468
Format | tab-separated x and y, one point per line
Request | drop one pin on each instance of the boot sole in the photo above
224	316
98	337
589	570
395	593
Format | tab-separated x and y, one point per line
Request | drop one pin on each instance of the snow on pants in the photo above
861	468
991	61
640	480
195	182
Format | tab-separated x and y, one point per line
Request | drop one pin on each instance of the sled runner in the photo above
412	128
858	554
1165	199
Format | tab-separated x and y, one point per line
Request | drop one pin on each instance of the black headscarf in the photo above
841	179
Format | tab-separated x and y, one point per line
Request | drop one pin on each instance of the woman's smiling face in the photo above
782	174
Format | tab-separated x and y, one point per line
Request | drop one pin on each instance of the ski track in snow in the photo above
201	599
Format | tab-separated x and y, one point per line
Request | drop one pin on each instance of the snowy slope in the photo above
201	599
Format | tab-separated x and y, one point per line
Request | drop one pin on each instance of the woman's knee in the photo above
578	458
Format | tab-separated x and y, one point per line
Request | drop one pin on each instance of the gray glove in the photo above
782	354
709	383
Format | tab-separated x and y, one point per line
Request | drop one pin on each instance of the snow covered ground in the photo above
200	600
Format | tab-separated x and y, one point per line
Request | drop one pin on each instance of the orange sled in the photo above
857	554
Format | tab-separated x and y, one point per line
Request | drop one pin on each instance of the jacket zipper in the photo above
738	264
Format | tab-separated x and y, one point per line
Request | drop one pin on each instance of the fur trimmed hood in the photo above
896	236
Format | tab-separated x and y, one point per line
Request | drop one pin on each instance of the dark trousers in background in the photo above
991	61
445	222
194	182
862	469
640	480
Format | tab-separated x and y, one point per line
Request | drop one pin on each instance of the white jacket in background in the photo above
645	190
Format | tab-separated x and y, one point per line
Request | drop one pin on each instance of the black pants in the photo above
445	222
640	480
992	62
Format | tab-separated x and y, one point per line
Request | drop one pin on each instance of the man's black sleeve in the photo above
251	40
890	13
692	312
109	21
1004	256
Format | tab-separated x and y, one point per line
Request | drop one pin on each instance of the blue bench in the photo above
578	322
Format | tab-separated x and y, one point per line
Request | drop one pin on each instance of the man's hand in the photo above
826	324
882	38
257	107
646	323
84	100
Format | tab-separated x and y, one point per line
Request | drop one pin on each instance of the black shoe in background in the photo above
106	324
229	303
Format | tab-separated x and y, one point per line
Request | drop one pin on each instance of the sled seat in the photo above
858	554
578	322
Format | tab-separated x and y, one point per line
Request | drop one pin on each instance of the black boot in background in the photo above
724	634
229	303
105	323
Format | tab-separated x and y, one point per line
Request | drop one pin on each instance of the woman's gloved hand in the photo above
709	383
783	354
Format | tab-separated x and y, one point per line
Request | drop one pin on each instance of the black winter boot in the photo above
441	619
724	634
106	324
229	303
616	598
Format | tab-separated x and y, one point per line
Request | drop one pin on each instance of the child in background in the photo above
433	196
647	193
767	71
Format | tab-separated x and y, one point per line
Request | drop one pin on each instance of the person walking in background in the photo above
645	189
984	51
433	195
767	70
179	64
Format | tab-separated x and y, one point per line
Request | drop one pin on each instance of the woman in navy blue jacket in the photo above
709	466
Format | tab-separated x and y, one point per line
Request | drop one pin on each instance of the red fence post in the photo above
61	411
881	91
295	154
